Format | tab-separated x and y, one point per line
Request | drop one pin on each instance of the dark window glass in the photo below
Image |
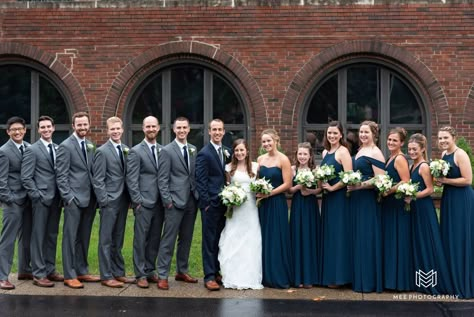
52	103
403	104
316	139
15	93
226	104
149	102
195	137
60	136
362	94
187	93
232	135
323	106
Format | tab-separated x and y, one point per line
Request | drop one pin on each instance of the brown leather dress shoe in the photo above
88	278
142	283
112	283
25	276
212	285
55	277
163	284
185	277
126	280
153	279
42	282
6	285
73	283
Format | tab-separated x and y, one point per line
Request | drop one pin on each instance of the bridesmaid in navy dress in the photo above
305	223
457	218
273	214
336	259
396	222
366	214
428	250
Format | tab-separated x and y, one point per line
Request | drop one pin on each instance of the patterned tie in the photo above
51	153
120	153
185	154
154	155
83	146
21	150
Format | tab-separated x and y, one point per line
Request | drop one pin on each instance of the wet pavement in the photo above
194	300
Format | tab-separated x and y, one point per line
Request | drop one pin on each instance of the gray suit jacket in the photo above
142	175
73	173
11	189
38	174
176	182
109	176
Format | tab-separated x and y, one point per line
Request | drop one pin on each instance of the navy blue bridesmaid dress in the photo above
429	256
276	248
366	232
397	240
457	231
305	231
336	259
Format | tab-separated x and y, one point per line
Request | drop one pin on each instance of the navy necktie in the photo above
185	154
154	155
119	148
83	146
51	153
21	150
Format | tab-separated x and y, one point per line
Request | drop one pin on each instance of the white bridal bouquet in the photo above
350	178
408	189
439	168
232	195
261	185
306	178
382	184
324	173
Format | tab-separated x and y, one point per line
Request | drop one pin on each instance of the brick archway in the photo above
316	68
123	84
74	92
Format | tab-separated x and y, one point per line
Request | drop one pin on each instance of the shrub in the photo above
462	143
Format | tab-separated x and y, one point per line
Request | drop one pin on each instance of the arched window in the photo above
361	92
28	93
188	90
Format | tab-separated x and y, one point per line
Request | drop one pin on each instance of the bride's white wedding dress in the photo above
240	245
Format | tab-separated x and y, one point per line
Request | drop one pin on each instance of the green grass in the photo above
195	262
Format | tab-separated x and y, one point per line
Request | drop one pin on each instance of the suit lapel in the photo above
76	145
15	149
147	150
179	153
45	152
216	156
113	152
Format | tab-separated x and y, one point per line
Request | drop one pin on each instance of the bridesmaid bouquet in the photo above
439	168
324	173
350	178
382	184
232	195
261	185
305	178
407	190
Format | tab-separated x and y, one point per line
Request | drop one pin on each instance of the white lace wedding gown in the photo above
240	245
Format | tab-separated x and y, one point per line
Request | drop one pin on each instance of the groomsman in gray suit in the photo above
16	205
74	178
142	182
179	195
38	176
112	196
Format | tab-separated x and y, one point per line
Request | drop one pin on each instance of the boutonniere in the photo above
125	150
191	151
158	150
90	147
226	153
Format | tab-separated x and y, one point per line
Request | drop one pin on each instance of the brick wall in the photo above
275	53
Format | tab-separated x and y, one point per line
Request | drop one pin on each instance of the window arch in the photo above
358	92
28	92
190	90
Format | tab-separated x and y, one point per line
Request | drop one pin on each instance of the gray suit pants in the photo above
146	240
111	235
44	237
178	223
76	238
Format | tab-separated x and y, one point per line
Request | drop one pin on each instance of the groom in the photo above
210	179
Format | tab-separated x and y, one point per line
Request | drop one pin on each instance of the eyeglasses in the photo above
16	129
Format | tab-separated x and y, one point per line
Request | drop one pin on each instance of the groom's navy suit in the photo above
210	179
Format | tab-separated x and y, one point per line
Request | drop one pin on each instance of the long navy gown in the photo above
428	250
305	231
366	232
336	259
397	240
457	231
276	248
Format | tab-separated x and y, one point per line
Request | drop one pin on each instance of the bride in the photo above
240	245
